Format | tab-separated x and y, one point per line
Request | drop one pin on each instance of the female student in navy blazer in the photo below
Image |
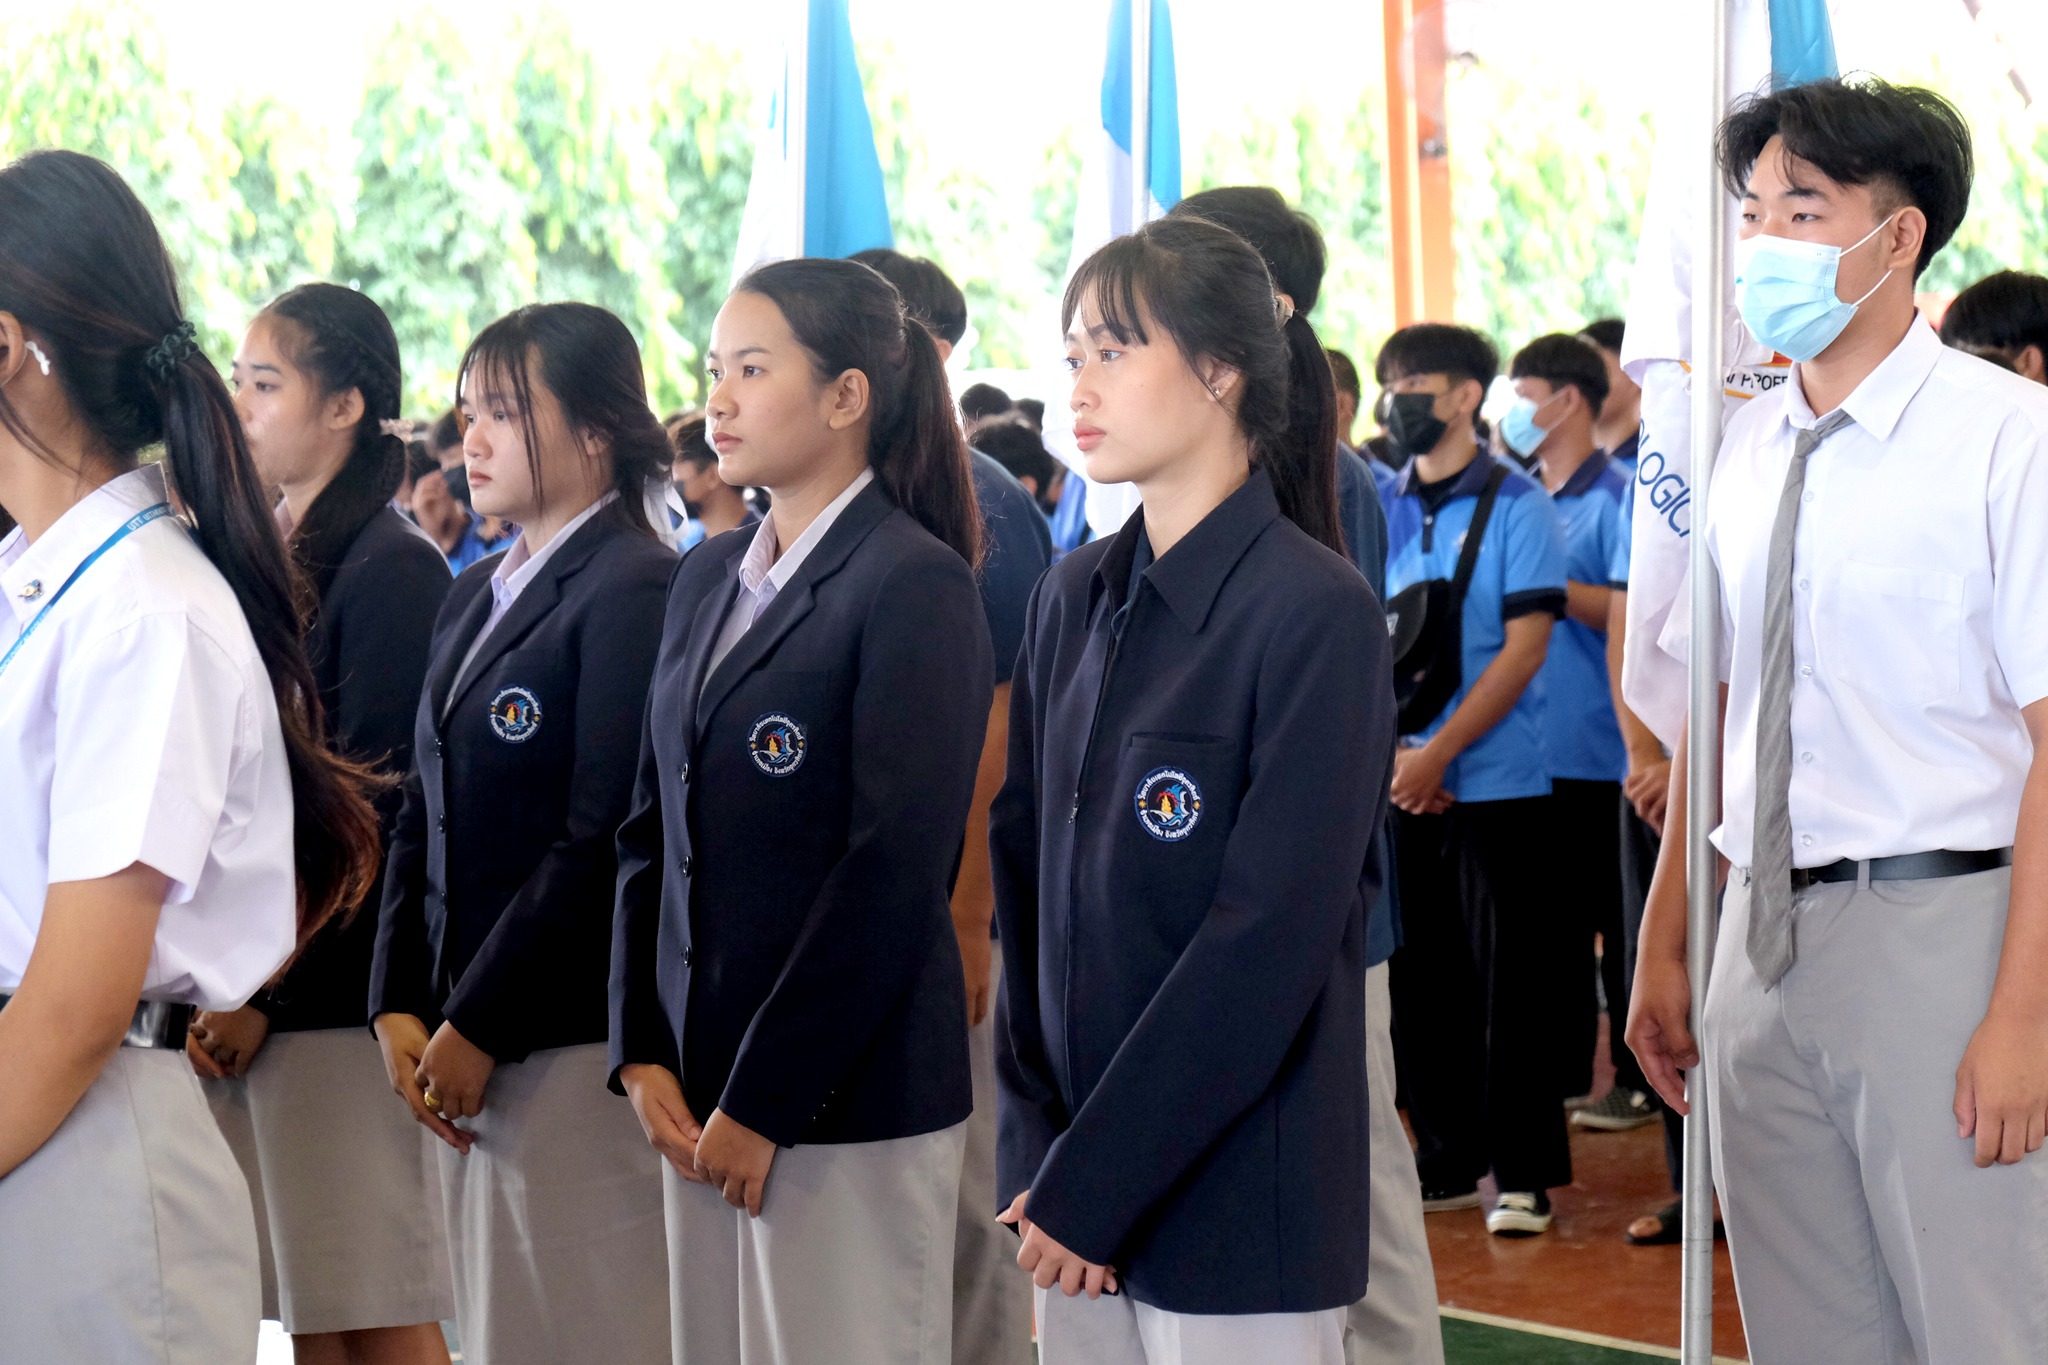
343	1182
496	925
788	1008
1202	729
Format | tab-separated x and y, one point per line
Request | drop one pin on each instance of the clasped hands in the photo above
721	1152
1050	1263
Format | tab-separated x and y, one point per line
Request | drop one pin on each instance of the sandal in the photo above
1669	1228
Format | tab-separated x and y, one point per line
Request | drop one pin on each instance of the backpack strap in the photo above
1468	553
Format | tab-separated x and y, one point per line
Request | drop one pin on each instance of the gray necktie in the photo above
1771	949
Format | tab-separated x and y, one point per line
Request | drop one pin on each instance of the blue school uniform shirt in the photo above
1363	514
1623	456
1583	737
1520	570
1018	548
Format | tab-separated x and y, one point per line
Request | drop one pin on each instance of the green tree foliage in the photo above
702	133
595	203
462	187
1548	187
95	83
438	236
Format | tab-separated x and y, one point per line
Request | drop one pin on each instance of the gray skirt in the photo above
555	1221
127	1238
348	1200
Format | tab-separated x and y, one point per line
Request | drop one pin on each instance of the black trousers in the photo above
1583	882
1480	1008
1639	844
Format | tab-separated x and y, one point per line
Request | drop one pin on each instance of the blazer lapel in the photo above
704	629
532	605
443	675
794	602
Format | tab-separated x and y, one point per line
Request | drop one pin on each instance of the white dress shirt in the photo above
763	575
138	725
520	566
1920	570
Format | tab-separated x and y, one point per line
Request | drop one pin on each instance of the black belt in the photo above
1907	867
157	1023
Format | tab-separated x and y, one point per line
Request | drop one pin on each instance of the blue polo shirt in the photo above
1623	456
1521	569
1582	735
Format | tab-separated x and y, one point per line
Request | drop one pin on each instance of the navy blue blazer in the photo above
368	645
784	940
497	887
1183	853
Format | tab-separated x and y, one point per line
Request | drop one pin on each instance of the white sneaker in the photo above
1520	1215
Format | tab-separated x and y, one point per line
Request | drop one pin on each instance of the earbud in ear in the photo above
42	360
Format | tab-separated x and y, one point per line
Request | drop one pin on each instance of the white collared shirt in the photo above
1920	570
762	575
137	724
520	566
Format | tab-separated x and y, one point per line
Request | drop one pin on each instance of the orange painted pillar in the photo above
1418	162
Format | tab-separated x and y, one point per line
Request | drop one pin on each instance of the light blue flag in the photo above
1163	171
845	209
1802	43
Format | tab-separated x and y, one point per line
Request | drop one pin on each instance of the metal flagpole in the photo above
1141	113
1703	779
796	131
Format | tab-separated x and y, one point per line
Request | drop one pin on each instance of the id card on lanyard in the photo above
127	528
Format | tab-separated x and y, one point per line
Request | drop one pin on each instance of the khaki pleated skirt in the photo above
347	1193
555	1221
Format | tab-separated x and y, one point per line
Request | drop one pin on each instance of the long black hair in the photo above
589	361
81	262
341	340
850	318
1209	290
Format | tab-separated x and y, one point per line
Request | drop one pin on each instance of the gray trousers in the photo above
850	1262
1862	1232
1396	1323
127	1238
991	1296
1118	1330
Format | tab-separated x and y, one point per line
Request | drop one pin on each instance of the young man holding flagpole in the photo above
1875	1040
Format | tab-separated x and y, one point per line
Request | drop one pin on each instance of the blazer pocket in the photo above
1894	632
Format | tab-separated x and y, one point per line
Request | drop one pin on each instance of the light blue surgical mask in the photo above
1518	427
1786	291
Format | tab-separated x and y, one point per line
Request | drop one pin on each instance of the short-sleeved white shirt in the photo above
137	724
1920	605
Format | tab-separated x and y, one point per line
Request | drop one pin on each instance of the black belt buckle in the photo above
156	1024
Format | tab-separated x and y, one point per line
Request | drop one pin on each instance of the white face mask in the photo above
1785	289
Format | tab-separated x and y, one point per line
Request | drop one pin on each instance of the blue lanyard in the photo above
133	524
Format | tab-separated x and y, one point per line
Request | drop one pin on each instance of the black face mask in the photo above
1413	428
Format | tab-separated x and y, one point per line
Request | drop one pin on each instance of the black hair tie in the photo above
165	357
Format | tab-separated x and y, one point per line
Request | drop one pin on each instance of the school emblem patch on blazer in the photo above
515	714
1169	804
776	744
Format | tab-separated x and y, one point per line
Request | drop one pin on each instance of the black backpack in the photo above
1426	620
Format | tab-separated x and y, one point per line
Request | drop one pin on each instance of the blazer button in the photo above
441	824
684	864
684	776
440	747
689	956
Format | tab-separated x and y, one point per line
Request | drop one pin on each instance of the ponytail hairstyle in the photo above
1292	247
850	318
341	340
81	263
589	361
